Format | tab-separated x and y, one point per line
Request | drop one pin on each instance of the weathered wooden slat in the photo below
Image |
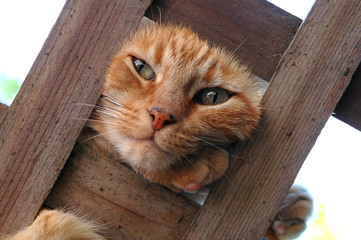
264	29
39	130
313	74
3	109
127	205
349	107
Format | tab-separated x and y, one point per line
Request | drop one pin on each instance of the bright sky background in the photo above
331	172
24	27
299	8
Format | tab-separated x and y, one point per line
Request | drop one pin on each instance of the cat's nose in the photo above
160	118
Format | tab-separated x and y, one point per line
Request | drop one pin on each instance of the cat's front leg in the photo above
55	225
192	172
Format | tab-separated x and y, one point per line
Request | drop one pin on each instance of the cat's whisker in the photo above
190	161
165	159
192	146
185	156
104	111
101	121
216	169
225	176
214	139
96	136
85	104
97	107
235	50
215	146
171	9
232	185
113	101
239	45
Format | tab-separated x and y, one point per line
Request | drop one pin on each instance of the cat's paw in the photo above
191	174
295	210
200	172
54	225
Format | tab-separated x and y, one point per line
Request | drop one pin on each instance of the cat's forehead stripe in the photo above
158	54
211	72
174	51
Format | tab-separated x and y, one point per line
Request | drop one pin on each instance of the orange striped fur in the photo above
184	65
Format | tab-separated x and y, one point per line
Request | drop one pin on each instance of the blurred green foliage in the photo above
9	87
321	229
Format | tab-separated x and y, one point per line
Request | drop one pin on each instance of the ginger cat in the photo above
171	107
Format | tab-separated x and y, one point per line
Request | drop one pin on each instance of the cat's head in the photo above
168	95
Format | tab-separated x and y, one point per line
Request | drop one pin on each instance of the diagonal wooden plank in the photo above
311	78
40	128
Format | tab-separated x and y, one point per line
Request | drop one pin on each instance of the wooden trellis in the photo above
39	130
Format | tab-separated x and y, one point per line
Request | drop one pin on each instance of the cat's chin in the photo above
146	154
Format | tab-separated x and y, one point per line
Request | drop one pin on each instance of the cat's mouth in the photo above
146	153
150	142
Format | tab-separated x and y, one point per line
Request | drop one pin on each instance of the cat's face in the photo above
169	95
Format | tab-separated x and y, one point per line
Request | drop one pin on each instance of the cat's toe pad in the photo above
191	180
193	187
291	218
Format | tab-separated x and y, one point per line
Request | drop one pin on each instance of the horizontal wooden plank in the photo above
349	107
127	205
264	30
40	128
304	91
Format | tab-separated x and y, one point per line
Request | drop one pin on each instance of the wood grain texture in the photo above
264	30
313	74
127	205
39	130
3	109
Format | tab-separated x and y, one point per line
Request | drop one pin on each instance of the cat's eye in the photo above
143	69
212	96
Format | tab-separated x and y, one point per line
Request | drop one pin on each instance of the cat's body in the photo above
170	108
